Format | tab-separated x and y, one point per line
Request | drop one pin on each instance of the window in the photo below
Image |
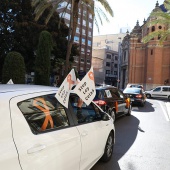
75	59
90	33
78	20
107	71
115	66
83	31
82	49
151	51
84	13
88	61
82	60
78	30
90	16
44	113
76	39
115	72
89	43
108	56
107	64
165	89
157	89
116	57
153	28
67	16
85	113
83	41
107	94
90	24
84	22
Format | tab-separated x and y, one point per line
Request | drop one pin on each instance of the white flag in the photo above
85	89
63	92
10	82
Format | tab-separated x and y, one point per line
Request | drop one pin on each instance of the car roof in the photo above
20	89
105	87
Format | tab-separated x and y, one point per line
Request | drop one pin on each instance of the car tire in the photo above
108	151
129	111
148	96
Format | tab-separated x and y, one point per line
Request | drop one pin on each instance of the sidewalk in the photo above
167	104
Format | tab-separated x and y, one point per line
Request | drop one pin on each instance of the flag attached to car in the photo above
85	89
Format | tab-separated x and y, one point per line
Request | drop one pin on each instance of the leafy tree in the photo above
160	17
42	62
41	5
14	68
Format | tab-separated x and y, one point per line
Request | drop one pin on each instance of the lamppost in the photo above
119	56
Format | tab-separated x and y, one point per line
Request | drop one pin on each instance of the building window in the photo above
78	30
78	20
151	51
81	68
107	71
107	64
84	13
115	66
124	55
90	16
82	50
115	72
153	28
90	24
76	39
75	59
67	16
160	27
83	41
116	57
108	56
89	43
82	60
83	31
90	33
88	61
84	22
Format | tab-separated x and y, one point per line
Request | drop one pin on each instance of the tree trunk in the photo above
72	31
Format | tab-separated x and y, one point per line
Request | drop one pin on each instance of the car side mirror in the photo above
105	117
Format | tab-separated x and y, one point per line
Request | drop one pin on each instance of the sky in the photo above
126	14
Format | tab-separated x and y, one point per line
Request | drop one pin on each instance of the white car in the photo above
37	132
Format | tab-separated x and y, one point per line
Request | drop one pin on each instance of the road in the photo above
142	140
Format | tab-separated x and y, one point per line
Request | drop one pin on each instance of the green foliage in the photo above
42	62
14	68
159	17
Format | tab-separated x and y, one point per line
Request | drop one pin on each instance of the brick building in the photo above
148	64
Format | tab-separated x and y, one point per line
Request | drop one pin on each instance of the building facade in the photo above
83	37
149	63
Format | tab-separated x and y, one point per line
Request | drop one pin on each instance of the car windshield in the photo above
98	95
132	90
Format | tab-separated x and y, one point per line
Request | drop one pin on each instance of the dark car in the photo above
136	95
113	101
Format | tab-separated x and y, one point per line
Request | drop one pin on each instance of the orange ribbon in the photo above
91	75
44	109
116	106
69	81
127	102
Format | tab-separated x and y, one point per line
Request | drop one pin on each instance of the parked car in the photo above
113	101
136	95
135	86
37	132
159	92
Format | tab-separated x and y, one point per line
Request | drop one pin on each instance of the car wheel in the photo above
148	96
108	151
129	111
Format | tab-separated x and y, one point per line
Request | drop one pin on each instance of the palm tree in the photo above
96	11
161	18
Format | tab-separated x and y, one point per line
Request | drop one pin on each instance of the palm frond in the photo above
167	4
106	6
152	35
96	23
103	14
98	15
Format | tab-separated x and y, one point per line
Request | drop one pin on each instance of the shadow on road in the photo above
126	131
147	105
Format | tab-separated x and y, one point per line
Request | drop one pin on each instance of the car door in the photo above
93	132
44	134
157	92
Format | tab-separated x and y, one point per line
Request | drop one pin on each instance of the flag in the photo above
63	92
10	82
85	89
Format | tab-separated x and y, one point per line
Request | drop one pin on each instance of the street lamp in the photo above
119	56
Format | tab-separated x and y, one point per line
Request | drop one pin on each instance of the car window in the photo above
99	95
165	89
85	114
44	113
115	93
157	89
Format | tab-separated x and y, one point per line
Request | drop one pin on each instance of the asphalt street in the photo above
142	139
